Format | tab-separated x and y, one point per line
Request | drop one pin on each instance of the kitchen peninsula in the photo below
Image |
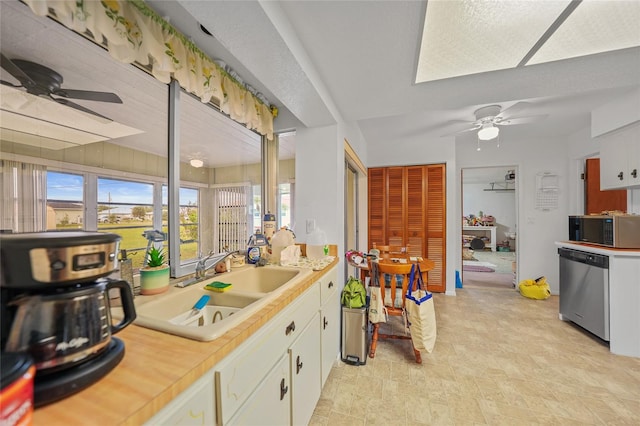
624	296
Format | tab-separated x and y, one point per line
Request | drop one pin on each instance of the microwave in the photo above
621	231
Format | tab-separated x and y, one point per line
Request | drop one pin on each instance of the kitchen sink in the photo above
251	288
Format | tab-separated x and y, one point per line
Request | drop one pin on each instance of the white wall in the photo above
319	183
537	230
418	151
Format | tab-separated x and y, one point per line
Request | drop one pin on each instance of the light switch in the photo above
311	225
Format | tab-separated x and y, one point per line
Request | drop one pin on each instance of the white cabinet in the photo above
241	375
620	159
275	377
194	406
270	403
329	322
304	356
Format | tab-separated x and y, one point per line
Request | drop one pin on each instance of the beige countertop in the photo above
156	368
594	248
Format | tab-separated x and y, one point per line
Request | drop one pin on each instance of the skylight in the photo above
474	36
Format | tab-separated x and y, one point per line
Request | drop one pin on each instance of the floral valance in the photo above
134	32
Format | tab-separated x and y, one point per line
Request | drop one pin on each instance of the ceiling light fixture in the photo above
488	132
196	163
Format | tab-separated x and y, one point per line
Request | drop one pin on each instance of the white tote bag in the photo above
377	310
421	312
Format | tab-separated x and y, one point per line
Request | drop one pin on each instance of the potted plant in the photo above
154	276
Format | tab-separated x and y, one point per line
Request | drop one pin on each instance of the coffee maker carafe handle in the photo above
128	307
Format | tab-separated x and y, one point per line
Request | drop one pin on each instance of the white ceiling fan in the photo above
490	118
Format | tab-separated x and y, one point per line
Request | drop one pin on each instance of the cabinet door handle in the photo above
620	175
634	173
325	323
298	365
283	389
290	328
331	282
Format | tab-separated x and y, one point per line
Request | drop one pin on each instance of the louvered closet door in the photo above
396	206
407	207
376	206
435	213
416	228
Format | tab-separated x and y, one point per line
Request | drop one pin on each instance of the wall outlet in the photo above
311	225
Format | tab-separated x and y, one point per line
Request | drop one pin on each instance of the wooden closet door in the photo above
436	226
396	206
407	207
377	212
416	227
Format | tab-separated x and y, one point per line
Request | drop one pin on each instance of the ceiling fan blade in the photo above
514	109
455	127
15	71
6	83
88	95
78	107
522	120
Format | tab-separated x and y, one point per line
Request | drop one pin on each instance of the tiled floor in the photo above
500	359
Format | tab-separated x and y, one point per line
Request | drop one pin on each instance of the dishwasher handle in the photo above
593	259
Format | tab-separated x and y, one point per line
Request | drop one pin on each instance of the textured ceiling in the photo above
322	62
360	59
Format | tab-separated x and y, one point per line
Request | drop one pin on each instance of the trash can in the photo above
354	335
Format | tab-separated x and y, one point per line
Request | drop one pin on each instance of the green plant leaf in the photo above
156	257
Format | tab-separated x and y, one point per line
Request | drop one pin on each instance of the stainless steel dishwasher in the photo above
584	290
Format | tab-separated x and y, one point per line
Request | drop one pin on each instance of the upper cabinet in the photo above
620	158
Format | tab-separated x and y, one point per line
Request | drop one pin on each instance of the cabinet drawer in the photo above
245	367
328	285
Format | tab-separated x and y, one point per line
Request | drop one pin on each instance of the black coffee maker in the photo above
55	307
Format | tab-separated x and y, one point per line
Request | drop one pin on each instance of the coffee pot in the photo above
65	327
55	307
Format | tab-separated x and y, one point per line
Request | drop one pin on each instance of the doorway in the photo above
489	227
354	177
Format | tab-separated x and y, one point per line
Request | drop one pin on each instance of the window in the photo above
65	201
126	208
284	204
189	230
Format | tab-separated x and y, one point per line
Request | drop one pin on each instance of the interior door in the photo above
597	201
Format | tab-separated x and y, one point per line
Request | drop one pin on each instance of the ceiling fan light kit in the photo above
488	132
197	163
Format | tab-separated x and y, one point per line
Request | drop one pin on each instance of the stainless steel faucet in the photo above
201	267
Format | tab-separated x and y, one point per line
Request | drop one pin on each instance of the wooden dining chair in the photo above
390	251
393	297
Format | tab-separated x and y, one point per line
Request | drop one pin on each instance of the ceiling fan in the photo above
42	81
490	118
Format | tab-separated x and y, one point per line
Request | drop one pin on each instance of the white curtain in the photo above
24	204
